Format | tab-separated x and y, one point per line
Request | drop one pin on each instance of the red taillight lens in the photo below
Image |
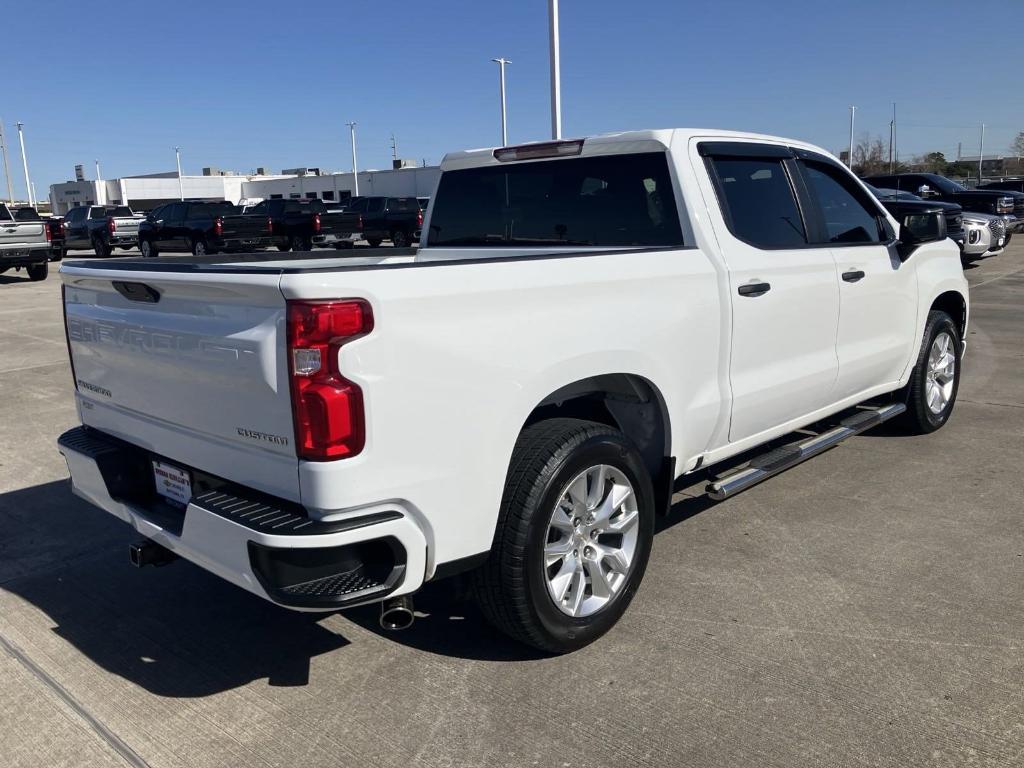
419	218
316	222
359	224
49	232
328	408
111	226
270	225
218	227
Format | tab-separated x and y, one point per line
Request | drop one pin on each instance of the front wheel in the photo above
573	535
147	249
931	392
37	272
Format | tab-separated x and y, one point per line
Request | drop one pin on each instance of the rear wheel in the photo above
573	535
932	389
147	249
284	246
102	249
198	247
374	242
345	245
37	272
300	243
399	239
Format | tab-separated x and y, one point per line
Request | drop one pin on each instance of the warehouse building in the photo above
143	193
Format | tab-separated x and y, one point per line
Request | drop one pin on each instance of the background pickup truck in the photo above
54	223
203	227
101	228
301	223
900	204
24	244
338	227
586	321
1004	203
398	219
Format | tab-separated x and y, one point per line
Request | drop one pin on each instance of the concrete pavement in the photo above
864	608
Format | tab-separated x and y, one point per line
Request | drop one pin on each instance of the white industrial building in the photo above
143	193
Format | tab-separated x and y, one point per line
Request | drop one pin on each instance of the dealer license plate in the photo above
172	482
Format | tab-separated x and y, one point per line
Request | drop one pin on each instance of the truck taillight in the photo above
218	227
419	218
270	225
49	232
359	223
316	222
111	225
327	407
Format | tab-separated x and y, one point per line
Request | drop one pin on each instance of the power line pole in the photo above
355	170
981	152
7	170
501	62
892	140
556	72
849	160
177	160
24	162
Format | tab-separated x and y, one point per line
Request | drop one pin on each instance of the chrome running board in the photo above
779	460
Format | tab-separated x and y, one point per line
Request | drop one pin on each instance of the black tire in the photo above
198	247
919	418
148	249
101	249
399	239
511	587
374	241
37	272
300	243
345	245
284	246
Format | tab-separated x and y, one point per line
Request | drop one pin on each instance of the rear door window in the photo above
757	199
612	200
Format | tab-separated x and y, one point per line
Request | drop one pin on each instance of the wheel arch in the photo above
953	304
629	403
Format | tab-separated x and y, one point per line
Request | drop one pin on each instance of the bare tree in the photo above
1017	146
870	156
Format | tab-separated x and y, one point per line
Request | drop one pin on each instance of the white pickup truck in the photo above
586	322
24	244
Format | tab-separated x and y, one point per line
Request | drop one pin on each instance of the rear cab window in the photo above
611	200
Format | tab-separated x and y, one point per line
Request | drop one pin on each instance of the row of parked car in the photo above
202	226
982	221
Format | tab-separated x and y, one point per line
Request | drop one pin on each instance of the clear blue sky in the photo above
239	85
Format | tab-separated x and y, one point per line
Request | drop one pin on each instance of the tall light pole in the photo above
98	177
556	72
849	159
7	170
981	152
501	62
177	160
24	162
355	169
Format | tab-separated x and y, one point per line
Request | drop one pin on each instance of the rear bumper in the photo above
24	257
122	240
266	546
332	238
247	243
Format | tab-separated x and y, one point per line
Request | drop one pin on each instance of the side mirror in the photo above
916	229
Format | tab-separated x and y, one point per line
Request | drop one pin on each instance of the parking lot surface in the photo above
864	608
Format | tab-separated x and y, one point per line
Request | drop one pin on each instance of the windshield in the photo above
613	200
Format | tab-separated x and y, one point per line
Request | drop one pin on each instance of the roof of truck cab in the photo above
625	142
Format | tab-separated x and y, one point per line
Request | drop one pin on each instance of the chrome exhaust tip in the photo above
397	613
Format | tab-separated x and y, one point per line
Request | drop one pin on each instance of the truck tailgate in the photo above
189	366
22	233
127	225
244	225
